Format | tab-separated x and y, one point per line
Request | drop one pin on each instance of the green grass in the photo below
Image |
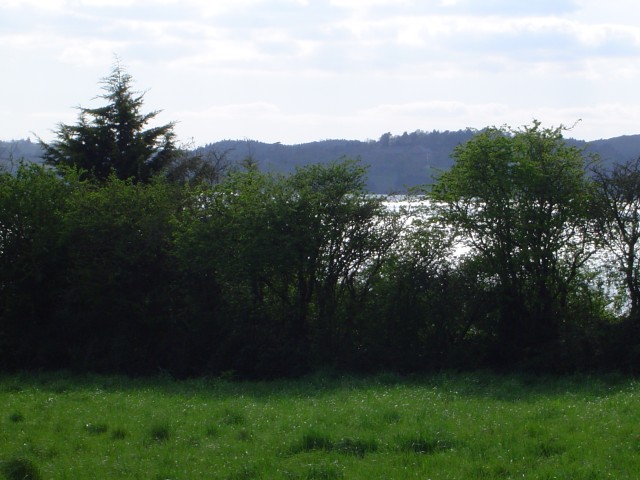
448	426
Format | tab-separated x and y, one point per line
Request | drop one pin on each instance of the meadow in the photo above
444	426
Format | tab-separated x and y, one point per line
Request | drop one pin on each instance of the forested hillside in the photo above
395	162
11	152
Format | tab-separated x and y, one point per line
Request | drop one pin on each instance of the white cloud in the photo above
261	109
210	8
106	3
45	5
620	12
365	4
435	107
89	53
287	69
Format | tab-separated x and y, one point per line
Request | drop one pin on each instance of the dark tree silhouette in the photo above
113	139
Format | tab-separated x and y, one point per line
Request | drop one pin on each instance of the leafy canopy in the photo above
520	200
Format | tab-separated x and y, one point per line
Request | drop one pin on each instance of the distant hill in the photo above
615	149
395	161
15	150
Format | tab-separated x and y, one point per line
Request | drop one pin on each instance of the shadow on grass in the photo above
158	433
425	443
507	387
312	441
19	469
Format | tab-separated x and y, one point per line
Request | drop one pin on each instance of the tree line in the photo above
125	254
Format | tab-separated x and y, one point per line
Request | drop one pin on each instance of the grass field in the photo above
447	426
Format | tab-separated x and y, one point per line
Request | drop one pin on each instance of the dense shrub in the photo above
264	276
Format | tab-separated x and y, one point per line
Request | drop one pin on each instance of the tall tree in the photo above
618	201
519	199
114	138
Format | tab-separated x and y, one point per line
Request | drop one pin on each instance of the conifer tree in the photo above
114	138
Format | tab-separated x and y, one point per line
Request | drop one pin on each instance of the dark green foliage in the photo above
246	472
521	201
113	139
424	443
96	428
548	449
408	303
231	417
118	434
391	416
32	262
260	275
86	272
323	471
286	262
16	417
314	440
357	447
199	167
119	274
159	432
19	469
617	208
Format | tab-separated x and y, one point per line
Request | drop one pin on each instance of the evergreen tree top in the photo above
113	139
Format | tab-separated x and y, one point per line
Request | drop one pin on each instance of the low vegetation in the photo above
445	426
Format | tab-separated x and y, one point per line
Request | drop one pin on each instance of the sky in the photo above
296	71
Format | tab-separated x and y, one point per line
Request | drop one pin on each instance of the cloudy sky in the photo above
293	71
